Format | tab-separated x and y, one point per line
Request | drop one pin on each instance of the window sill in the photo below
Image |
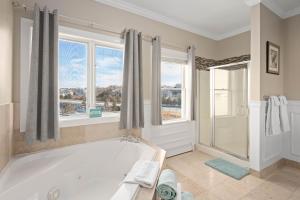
82	120
175	121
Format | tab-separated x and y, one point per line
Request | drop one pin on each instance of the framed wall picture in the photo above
273	58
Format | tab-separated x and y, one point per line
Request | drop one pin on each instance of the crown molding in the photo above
234	32
275	8
252	2
121	4
293	12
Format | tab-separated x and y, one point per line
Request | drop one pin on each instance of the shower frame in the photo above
212	110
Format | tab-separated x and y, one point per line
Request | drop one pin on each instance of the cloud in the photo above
109	62
104	80
72	77
73	65
171	74
109	70
78	62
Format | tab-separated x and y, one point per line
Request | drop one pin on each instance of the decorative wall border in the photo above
205	63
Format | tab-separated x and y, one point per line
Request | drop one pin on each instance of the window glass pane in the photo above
171	93
72	77
109	76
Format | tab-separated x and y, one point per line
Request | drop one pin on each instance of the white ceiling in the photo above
216	19
283	8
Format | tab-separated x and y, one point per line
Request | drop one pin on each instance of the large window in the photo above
172	91
90	76
72	77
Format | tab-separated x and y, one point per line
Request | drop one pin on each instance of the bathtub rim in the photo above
19	159
143	193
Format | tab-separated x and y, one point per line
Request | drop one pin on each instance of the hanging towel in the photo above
272	116
144	173
284	119
167	185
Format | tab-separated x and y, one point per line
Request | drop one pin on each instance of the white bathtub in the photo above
91	171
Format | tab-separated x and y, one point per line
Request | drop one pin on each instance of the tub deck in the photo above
146	193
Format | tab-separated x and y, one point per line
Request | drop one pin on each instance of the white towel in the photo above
272	117
178	197
284	118
147	174
144	173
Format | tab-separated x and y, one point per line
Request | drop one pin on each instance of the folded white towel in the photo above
144	173
178	197
147	174
272	117
284	118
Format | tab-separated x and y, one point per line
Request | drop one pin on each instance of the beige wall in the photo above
255	54
265	26
271	30
291	60
6	27
6	30
233	46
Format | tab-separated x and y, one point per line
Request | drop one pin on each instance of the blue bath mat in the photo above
228	168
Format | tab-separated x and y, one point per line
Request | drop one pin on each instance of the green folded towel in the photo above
167	185
187	196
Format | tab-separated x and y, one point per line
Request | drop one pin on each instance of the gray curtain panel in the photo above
42	111
132	108
156	118
192	65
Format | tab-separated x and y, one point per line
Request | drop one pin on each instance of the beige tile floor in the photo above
208	184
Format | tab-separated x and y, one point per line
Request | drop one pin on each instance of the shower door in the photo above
229	109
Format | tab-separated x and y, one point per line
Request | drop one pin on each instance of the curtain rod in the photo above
96	26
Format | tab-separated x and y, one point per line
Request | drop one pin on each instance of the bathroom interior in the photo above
149	100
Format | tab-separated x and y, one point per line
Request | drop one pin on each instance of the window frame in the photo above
183	89
92	42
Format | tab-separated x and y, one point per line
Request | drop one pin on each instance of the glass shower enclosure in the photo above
224	109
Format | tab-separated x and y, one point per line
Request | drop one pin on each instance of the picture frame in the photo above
273	58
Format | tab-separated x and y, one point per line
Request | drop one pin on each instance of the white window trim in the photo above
85	120
179	57
68	34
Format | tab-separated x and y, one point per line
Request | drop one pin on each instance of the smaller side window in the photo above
172	91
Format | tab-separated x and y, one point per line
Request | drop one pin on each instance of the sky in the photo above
171	74
109	66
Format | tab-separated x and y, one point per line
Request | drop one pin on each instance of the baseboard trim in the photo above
292	163
266	172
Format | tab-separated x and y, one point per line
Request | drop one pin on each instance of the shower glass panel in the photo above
205	136
229	99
